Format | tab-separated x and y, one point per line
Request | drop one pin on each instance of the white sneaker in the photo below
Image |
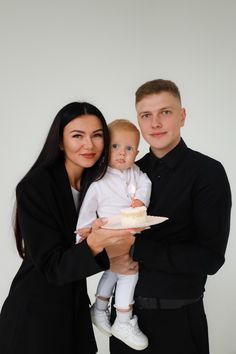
130	334
101	319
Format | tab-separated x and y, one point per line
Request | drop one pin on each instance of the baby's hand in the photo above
98	223
83	234
137	203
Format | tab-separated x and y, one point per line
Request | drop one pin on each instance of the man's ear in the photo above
183	116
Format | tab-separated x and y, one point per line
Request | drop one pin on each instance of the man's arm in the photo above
203	248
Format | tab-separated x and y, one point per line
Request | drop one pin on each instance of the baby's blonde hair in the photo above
123	124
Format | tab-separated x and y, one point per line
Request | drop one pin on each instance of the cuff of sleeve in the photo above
103	260
131	251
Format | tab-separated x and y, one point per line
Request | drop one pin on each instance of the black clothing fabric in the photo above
47	310
182	331
154	303
175	257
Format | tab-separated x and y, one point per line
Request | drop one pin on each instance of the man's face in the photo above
160	117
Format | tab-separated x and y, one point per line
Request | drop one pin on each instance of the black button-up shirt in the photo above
175	257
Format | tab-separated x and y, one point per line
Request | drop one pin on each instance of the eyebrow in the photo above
167	107
83	132
161	109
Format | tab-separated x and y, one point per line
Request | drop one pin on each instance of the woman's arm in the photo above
48	240
100	238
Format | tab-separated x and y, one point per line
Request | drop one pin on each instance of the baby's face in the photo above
123	149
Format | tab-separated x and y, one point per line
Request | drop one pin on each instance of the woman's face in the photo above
82	143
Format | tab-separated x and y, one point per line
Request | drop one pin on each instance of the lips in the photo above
88	156
158	134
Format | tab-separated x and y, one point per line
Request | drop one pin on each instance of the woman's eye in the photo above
98	135
77	136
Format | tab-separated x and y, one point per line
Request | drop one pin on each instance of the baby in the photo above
123	185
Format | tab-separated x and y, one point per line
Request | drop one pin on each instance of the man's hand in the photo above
123	265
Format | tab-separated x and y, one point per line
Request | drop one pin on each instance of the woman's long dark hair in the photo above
52	153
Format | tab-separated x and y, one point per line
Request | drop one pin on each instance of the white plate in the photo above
114	222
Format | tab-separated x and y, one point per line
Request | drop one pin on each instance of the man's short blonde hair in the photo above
155	87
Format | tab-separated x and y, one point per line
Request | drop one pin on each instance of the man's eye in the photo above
166	112
146	115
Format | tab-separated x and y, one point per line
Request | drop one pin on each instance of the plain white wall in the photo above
54	52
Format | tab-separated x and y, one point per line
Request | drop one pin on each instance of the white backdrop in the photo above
57	51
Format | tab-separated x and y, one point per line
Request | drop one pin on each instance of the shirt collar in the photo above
116	171
172	158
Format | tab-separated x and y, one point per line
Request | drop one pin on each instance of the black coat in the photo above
47	310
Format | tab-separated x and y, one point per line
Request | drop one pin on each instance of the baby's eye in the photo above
129	148
115	146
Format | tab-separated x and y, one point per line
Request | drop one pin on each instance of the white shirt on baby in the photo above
112	193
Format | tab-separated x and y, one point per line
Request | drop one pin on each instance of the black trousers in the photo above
175	331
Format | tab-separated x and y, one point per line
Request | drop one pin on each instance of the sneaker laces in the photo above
101	313
134	326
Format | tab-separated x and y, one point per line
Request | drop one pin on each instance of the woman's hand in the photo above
100	238
123	265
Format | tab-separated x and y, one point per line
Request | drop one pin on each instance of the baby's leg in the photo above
105	289
124	297
99	310
126	326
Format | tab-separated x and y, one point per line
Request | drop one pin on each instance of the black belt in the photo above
151	303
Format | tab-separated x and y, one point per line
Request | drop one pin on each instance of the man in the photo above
175	257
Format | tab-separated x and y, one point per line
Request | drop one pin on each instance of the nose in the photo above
88	143
122	151
156	122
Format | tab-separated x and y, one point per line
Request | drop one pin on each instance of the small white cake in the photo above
133	217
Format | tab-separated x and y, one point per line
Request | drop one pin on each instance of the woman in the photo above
47	310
